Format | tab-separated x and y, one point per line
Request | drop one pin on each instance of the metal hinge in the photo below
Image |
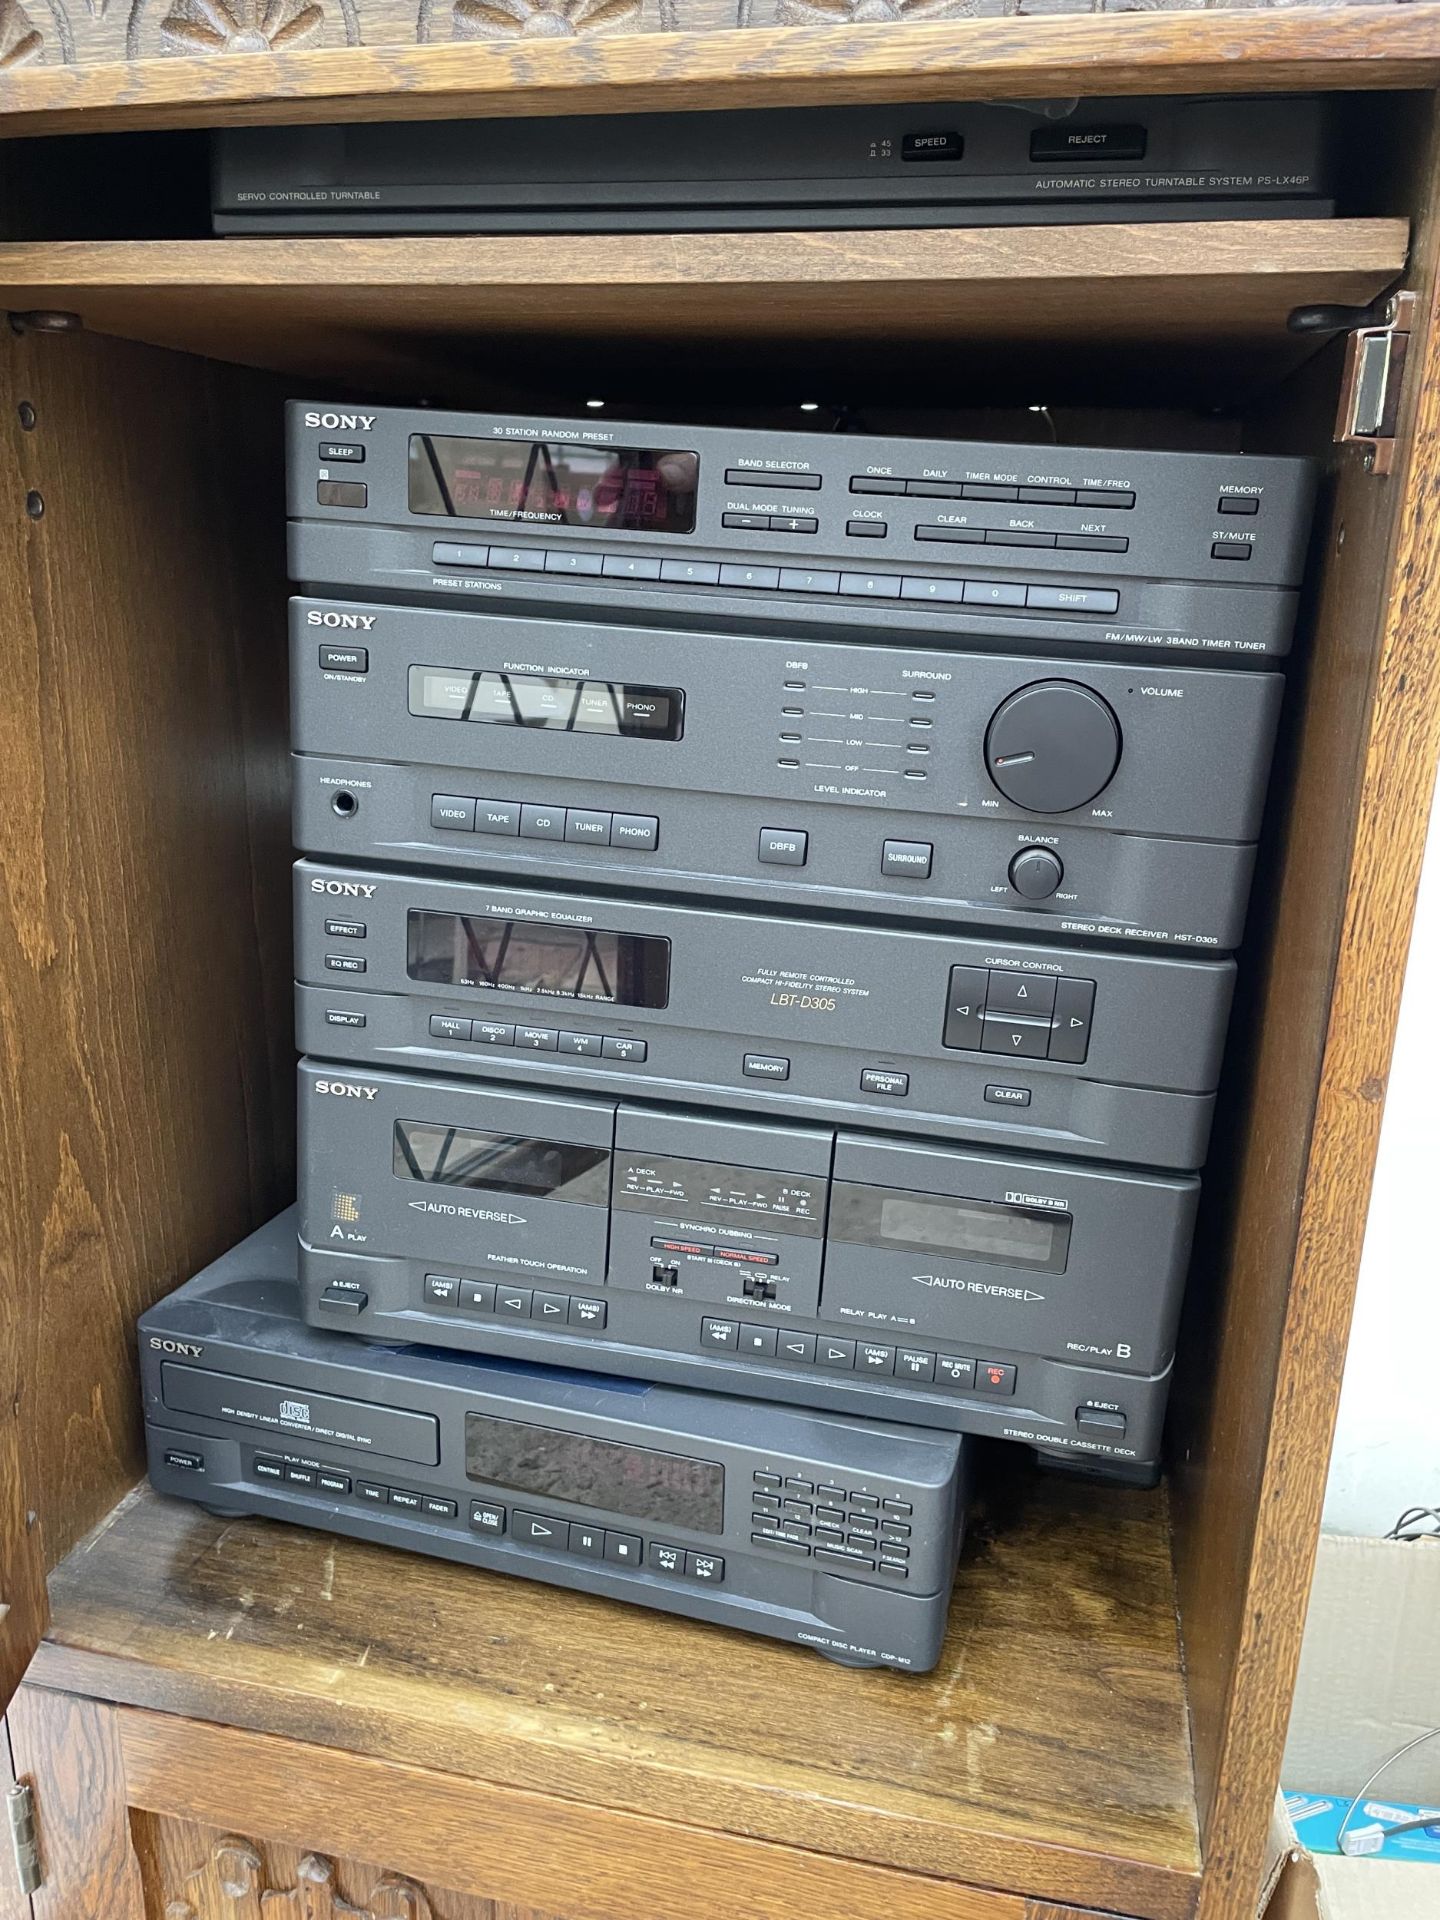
20	1811
1371	383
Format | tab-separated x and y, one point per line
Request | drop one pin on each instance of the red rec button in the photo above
993	1376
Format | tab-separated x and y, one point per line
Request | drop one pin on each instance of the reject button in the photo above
1086	146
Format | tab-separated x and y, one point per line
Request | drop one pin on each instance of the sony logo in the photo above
351	889
175	1346
344	1091
351	622
341	422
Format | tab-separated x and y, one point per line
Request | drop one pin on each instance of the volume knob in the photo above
1035	873
1052	746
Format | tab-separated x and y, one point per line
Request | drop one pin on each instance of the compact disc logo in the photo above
295	1413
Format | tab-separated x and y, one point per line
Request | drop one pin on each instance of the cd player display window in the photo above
552	705
522	956
669	1488
500	1162
554	483
1005	1236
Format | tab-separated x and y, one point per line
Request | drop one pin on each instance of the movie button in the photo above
746	522
879	1080
492	1033
866	530
345	963
1231	550
1087	146
943	592
797	1348
800	580
912	1364
1104	497
403	1497
783	847
342	452
518	559
1025	1039
724	1334
619	1046
964	1007
375	1491
486	1516
765	1066
1013	537
586	563
955	536
497	816
1072	599
588	1313
449	1026
587	1044
665	1559
551	1308
345	659
875	483
267	1467
542	823
757	1340
709	1567
871	586
759	578
477	1296
539	1530
583	824
442	1289
993	593
347	1300
445	553
587	1541
1100	1423
630	566
341	493
452	812
1238	503
538	1039
186	1462
345	929
343	1017
1092	542
638	830
514	1302
691	573
438	1508
1027	993
909	859
1072	1019
955	1373
994	1376
625	1549
872	1357
328	1481
1008	1096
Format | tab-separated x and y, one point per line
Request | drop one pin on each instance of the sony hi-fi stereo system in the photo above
989	1292
1077	1051
830	1532
1104	551
969	787
953	163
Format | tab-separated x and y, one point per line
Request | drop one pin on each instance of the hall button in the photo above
448	1026
878	1080
910	859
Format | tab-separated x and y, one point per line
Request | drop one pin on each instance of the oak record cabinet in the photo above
238	1721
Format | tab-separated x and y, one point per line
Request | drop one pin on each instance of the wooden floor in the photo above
1048	1754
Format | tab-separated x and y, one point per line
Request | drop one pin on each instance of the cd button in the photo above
723	1334
582	825
452	813
638	830
588	1313
993	1376
492	1033
760	578
486	1516
587	1044
497	816
757	1340
585	563
1032	994
1025	1039
783	847
518	559
619	1046
630	566
448	1026
691	573
878	1080
909	859
538	1039
766	1066
341	493
542	823
871	586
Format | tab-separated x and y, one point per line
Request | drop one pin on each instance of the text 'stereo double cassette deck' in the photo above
1081	1052
694	1503
954	163
985	788
1012	547
1026	1299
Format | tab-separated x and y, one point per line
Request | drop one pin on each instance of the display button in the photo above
445	553
441	1289
1072	1020
1072	599
1008	1096
800	580
746	522
965	1006
759	477
539	1530
881	1080
1032	994
1231	550
1100	1423
345	929
993	593
724	1334
866	530
691	573
341	452
343	1017
955	1373
497	816
907	859
783	847
341	493
1086	146
624	1549
492	1033
709	1567
588	564
329	1481
514	1302
757	1340
452	813
487	1517
588	1313
872	1357
664	1559
1238	503
630	566
759	578
871	586
266	1467
586	1044
911	1363
1024	1039
797	1348
345	963
477	1296
766	1066
538	1039
993	1376
404	1497
619	1046
542	823
345	659
639	831
449	1026
581	824
375	1491
518	559
551	1308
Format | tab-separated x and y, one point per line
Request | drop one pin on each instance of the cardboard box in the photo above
1369	1681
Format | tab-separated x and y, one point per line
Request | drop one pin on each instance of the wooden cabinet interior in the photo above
147	1081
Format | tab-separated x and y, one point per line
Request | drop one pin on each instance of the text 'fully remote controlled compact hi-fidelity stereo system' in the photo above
764	943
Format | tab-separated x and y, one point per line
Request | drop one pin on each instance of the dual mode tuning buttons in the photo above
1050	748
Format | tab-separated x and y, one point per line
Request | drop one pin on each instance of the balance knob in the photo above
1052	746
1035	873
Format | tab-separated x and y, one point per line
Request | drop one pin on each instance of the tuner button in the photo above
1035	873
1052	746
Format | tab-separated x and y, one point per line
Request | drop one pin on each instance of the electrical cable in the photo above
1384	1766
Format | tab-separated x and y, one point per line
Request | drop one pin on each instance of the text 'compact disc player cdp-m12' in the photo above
834	1533
1021	548
992	1293
1010	790
947	163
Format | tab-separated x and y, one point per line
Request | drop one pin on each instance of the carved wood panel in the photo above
192	1872
66	32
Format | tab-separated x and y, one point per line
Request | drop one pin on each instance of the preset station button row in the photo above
503	1302
857	1356
588	1542
517	819
505	1033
